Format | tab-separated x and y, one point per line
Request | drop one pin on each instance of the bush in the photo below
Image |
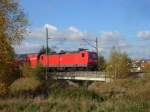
38	72
25	86
3	89
101	63
28	71
9	72
62	89
146	68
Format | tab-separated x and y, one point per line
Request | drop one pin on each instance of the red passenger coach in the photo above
32	59
78	59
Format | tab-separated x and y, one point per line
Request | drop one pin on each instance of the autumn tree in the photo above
43	50
101	63
12	27
118	65
146	68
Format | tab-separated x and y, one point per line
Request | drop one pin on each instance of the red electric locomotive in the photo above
79	59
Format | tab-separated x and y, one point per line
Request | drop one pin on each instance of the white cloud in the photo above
37	35
40	32
51	28
143	34
107	40
110	39
34	33
27	47
71	33
73	29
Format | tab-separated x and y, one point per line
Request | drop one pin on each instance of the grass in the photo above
74	105
125	95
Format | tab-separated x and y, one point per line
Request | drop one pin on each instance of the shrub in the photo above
9	72
25	86
38	72
60	89
101	63
3	89
28	71
147	67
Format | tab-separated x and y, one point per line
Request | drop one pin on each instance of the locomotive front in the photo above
92	60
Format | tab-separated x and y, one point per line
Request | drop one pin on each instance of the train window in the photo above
83	55
92	55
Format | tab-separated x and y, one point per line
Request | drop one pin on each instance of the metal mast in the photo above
46	75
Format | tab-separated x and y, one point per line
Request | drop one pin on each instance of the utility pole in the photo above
94	46
97	46
46	75
97	52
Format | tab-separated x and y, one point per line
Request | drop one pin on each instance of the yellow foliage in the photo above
118	65
26	70
12	27
147	67
3	89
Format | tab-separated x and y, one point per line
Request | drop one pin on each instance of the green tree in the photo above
118	65
12	27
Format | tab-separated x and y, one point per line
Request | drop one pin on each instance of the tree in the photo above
118	65
12	21
12	27
146	68
43	50
101	63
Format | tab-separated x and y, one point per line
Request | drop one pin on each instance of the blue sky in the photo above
122	22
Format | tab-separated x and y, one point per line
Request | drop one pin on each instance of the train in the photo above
81	59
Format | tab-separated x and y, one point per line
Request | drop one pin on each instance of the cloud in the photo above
143	34
27	47
71	33
40	32
51	28
107	40
73	29
110	39
74	34
37	35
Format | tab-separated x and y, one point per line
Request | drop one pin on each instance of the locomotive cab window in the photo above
92	55
83	55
